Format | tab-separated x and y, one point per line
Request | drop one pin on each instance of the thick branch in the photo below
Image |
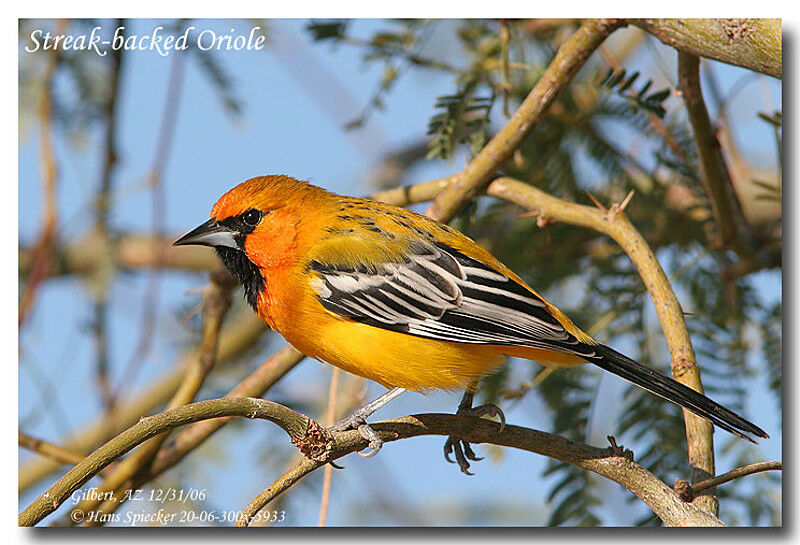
657	495
293	423
754	44
570	58
668	309
307	434
715	177
88	255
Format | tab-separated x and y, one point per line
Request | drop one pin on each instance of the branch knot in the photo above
316	443
684	490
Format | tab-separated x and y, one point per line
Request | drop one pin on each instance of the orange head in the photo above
255	226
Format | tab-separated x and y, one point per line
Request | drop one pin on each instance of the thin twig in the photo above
50	450
330	417
163	148
43	251
688	492
505	39
102	209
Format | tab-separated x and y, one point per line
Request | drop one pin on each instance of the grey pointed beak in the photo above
211	234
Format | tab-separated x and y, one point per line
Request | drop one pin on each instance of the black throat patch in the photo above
237	261
245	271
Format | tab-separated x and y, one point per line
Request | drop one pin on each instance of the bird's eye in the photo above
252	217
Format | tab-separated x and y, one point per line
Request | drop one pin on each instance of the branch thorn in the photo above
624	204
618	450
596	202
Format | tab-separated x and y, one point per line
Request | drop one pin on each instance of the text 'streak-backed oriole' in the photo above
398	298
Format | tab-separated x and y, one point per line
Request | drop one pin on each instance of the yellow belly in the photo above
397	359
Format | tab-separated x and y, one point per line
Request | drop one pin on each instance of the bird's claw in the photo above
469	453
357	422
454	446
462	449
489	409
375	442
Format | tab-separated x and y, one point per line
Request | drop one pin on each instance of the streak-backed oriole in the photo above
398	298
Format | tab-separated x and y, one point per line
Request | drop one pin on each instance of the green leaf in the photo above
328	30
660	96
775	119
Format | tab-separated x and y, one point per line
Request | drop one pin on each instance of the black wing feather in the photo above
441	293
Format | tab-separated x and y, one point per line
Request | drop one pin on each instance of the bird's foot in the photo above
462	449
357	421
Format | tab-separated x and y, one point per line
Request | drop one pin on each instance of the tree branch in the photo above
668	309
754	44
50	450
657	495
255	385
166	137
293	423
41	259
102	208
715	177
330	419
687	492
86	256
324	447
570	58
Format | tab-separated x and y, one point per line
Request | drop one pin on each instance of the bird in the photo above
403	300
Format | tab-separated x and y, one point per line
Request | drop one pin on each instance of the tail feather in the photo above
644	377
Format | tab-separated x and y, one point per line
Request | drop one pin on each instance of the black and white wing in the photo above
440	293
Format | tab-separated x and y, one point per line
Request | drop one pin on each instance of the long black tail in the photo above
644	377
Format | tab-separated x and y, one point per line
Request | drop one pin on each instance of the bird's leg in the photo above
462	449
358	421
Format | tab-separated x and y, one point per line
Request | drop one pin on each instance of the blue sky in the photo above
296	97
